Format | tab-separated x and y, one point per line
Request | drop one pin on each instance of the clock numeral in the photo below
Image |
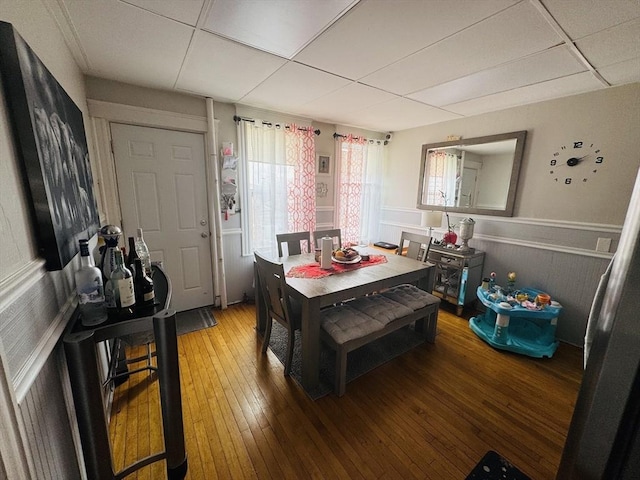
584	179
577	144
567	181
599	159
597	151
556	154
563	147
553	163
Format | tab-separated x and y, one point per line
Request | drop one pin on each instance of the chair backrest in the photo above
294	242
418	245
161	285
335	234
274	289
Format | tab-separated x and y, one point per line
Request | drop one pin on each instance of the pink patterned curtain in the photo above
301	180
352	168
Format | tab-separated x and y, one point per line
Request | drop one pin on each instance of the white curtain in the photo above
277	176
443	177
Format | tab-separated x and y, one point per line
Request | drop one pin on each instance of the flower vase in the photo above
450	237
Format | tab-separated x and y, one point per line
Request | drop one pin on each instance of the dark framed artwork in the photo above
51	143
323	164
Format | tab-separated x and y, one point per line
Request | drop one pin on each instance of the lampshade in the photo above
431	219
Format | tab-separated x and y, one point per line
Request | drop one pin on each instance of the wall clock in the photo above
575	162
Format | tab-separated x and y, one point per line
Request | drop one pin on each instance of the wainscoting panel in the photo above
47	425
558	257
238	269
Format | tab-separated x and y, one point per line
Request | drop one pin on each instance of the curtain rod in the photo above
370	140
237	119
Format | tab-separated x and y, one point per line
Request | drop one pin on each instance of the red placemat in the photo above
313	270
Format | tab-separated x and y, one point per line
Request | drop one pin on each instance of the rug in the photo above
196	319
359	362
494	466
186	322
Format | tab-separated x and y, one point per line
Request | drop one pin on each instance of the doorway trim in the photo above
101	115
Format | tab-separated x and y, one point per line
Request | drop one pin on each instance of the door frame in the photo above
101	115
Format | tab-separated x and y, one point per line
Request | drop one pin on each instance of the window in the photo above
279	183
359	188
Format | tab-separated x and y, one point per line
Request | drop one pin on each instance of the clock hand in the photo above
572	162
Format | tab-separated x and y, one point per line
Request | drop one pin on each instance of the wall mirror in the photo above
472	175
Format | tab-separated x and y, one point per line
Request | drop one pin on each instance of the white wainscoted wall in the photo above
37	433
553	256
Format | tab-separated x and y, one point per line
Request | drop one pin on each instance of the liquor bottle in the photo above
97	252
123	289
143	284
131	257
143	251
93	309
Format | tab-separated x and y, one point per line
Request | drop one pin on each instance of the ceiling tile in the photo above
560	87
622	73
126	43
613	45
347	99
398	114
223	69
281	27
378	32
552	63
185	11
579	18
293	86
518	31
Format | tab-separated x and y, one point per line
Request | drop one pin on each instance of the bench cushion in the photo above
380	307
410	296
344	323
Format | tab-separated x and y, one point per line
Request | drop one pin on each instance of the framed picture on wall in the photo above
51	144
323	164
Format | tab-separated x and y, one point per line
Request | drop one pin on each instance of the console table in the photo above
80	350
457	274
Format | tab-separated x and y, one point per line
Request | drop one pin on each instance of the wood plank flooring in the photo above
430	414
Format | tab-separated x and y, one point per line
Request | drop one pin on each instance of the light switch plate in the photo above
603	245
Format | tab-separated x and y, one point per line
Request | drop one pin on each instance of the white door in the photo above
162	187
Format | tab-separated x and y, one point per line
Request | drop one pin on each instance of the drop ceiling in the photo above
382	65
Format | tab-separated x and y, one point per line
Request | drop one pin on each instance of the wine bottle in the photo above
145	295
93	309
131	257
123	289
143	251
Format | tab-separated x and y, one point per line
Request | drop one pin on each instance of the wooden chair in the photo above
278	304
418	245
294	242
335	234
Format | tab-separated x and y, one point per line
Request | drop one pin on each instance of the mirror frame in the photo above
519	136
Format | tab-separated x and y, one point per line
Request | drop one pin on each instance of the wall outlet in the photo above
603	245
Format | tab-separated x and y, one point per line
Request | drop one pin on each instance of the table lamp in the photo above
431	219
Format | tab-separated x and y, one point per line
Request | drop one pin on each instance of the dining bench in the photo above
355	323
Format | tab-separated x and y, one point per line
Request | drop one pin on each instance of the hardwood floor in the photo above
430	414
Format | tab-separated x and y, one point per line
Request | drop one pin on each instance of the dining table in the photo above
338	286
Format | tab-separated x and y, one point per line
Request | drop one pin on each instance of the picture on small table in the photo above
323	163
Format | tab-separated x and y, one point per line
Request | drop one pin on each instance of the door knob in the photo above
203	222
204	235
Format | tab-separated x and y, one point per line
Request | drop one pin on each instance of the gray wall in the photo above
551	239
